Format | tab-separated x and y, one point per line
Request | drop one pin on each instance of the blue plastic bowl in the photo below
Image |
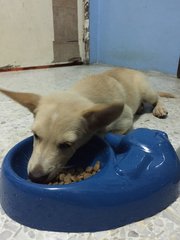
139	177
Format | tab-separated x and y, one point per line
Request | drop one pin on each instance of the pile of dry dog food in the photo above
76	175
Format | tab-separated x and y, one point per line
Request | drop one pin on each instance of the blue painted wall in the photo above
142	34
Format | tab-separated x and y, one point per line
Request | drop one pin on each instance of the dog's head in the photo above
62	123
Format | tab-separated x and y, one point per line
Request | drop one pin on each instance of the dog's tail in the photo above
166	95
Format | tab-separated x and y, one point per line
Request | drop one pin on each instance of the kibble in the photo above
75	175
97	166
89	169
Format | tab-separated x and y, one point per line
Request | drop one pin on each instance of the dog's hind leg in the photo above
122	124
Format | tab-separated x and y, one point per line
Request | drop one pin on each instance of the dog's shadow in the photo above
144	108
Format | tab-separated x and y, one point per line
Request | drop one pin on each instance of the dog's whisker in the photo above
26	156
67	167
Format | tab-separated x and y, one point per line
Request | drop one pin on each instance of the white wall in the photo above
26	32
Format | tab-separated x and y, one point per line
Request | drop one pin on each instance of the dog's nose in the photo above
37	175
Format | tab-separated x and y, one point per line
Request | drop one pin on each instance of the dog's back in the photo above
119	84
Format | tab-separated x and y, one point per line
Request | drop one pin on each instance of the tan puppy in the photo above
64	121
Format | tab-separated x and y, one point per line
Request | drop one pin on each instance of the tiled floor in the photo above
15	122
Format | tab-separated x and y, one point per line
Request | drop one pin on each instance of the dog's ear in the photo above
101	115
28	100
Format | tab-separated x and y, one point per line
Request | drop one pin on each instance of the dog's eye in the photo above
64	146
36	136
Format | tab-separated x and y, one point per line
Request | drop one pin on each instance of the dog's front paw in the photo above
160	112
